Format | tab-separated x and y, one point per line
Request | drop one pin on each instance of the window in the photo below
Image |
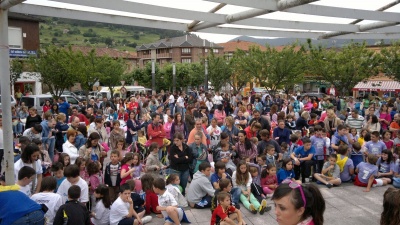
72	100
215	50
186	50
206	50
188	60
15	37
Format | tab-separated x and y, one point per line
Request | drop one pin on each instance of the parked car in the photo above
319	96
259	91
13	102
38	101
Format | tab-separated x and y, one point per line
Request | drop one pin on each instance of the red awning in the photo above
389	86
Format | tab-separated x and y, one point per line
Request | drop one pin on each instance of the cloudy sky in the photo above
205	6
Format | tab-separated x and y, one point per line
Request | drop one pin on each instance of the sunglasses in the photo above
294	185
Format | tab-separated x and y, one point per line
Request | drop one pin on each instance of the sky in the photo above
204	6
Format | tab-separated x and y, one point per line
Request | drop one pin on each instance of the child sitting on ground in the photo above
72	212
367	171
269	181
225	213
73	178
330	174
356	154
201	191
173	188
138	202
167	204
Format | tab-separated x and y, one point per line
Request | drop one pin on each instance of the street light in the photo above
153	75
173	77
206	75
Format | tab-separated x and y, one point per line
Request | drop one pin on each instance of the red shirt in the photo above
250	133
220	214
155	135
46	108
123	116
82	119
126	168
132	105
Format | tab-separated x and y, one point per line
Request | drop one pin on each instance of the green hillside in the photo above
74	32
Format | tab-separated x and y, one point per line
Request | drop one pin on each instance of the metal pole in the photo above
173	77
5	98
206	75
153	75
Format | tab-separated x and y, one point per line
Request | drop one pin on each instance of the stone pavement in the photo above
346	204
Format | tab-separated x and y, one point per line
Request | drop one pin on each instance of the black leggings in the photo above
1	157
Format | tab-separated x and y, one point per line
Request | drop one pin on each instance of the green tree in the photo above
344	67
16	69
55	69
391	61
86	70
219	71
111	71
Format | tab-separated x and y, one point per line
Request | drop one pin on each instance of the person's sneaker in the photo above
253	209
237	206
263	206
329	185
269	195
146	219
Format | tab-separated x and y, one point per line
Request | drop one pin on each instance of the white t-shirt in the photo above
166	199
71	150
215	137
25	189
53	202
181	102
65	185
102	214
217	100
19	164
171	99
119	210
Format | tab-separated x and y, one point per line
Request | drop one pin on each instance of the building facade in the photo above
184	49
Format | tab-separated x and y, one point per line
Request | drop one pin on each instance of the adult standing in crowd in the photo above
180	158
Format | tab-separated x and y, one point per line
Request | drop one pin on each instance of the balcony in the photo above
164	55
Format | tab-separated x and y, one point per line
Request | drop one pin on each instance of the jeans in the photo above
17	129
33	218
183	176
51	142
235	192
171	108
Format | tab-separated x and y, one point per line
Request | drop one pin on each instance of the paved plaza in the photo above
346	204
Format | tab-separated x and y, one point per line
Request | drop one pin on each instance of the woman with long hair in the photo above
298	204
245	148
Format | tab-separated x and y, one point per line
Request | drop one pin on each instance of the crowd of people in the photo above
118	161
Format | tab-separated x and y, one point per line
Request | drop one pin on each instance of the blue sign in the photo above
20	53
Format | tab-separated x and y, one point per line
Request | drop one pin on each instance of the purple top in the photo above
319	144
345	174
385	167
365	171
375	148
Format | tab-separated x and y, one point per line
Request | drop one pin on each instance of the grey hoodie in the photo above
199	187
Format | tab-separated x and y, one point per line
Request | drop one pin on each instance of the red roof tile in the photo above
242	45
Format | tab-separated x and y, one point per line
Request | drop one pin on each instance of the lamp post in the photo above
153	75
173	77
206	75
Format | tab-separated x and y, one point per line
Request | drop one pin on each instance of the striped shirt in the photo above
355	122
